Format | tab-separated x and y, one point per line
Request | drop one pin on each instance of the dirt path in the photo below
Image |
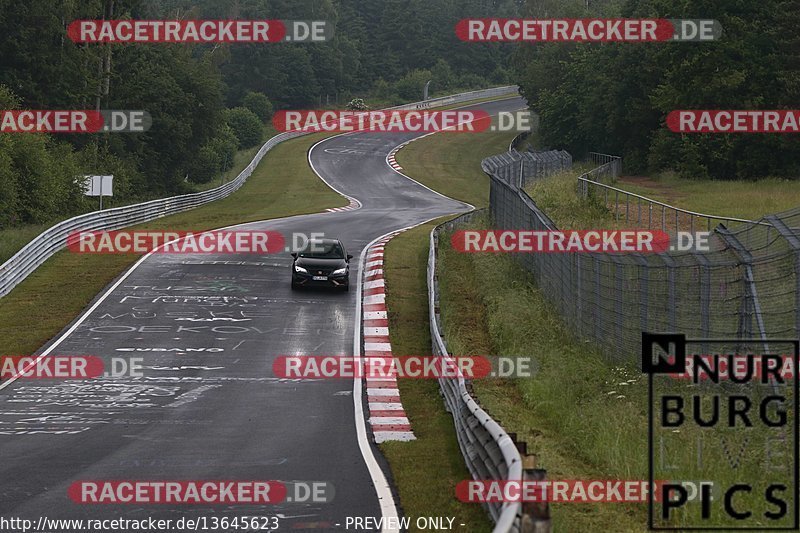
665	193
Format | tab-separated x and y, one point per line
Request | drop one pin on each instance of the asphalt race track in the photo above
209	407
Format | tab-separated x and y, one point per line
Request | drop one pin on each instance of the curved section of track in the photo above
207	330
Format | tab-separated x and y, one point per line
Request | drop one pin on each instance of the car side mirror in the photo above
349	257
294	254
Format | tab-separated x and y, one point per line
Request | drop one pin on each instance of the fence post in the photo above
577	297
644	277
619	271
671	303
794	242
704	280
598	320
752	305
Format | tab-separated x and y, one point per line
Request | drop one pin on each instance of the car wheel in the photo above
294	286
346	287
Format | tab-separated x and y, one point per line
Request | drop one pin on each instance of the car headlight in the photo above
300	269
339	271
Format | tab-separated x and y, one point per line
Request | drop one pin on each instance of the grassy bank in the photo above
13	239
426	470
573	413
582	416
451	163
282	185
740	199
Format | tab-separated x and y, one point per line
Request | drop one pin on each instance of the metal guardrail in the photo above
678	219
54	239
590	185
489	452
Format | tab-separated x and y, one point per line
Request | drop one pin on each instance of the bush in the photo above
259	104
206	165
410	86
216	156
443	76
472	81
225	145
382	90
357	104
245	125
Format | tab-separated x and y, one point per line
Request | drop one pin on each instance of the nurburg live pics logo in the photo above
727	438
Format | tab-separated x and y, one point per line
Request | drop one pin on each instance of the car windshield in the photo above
323	250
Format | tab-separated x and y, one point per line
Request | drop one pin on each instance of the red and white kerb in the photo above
386	414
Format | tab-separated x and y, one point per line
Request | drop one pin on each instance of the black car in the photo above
321	263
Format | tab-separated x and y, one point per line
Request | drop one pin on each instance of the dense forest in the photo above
614	97
209	100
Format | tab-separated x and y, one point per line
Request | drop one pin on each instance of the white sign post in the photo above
98	186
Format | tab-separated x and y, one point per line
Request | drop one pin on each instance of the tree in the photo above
410	86
259	104
614	97
443	76
245	125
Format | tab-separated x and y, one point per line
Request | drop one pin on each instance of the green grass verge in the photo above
451	163
740	199
13	239
564	412
426	470
37	309
556	196
583	417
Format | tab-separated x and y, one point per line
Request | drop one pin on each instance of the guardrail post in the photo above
535	515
